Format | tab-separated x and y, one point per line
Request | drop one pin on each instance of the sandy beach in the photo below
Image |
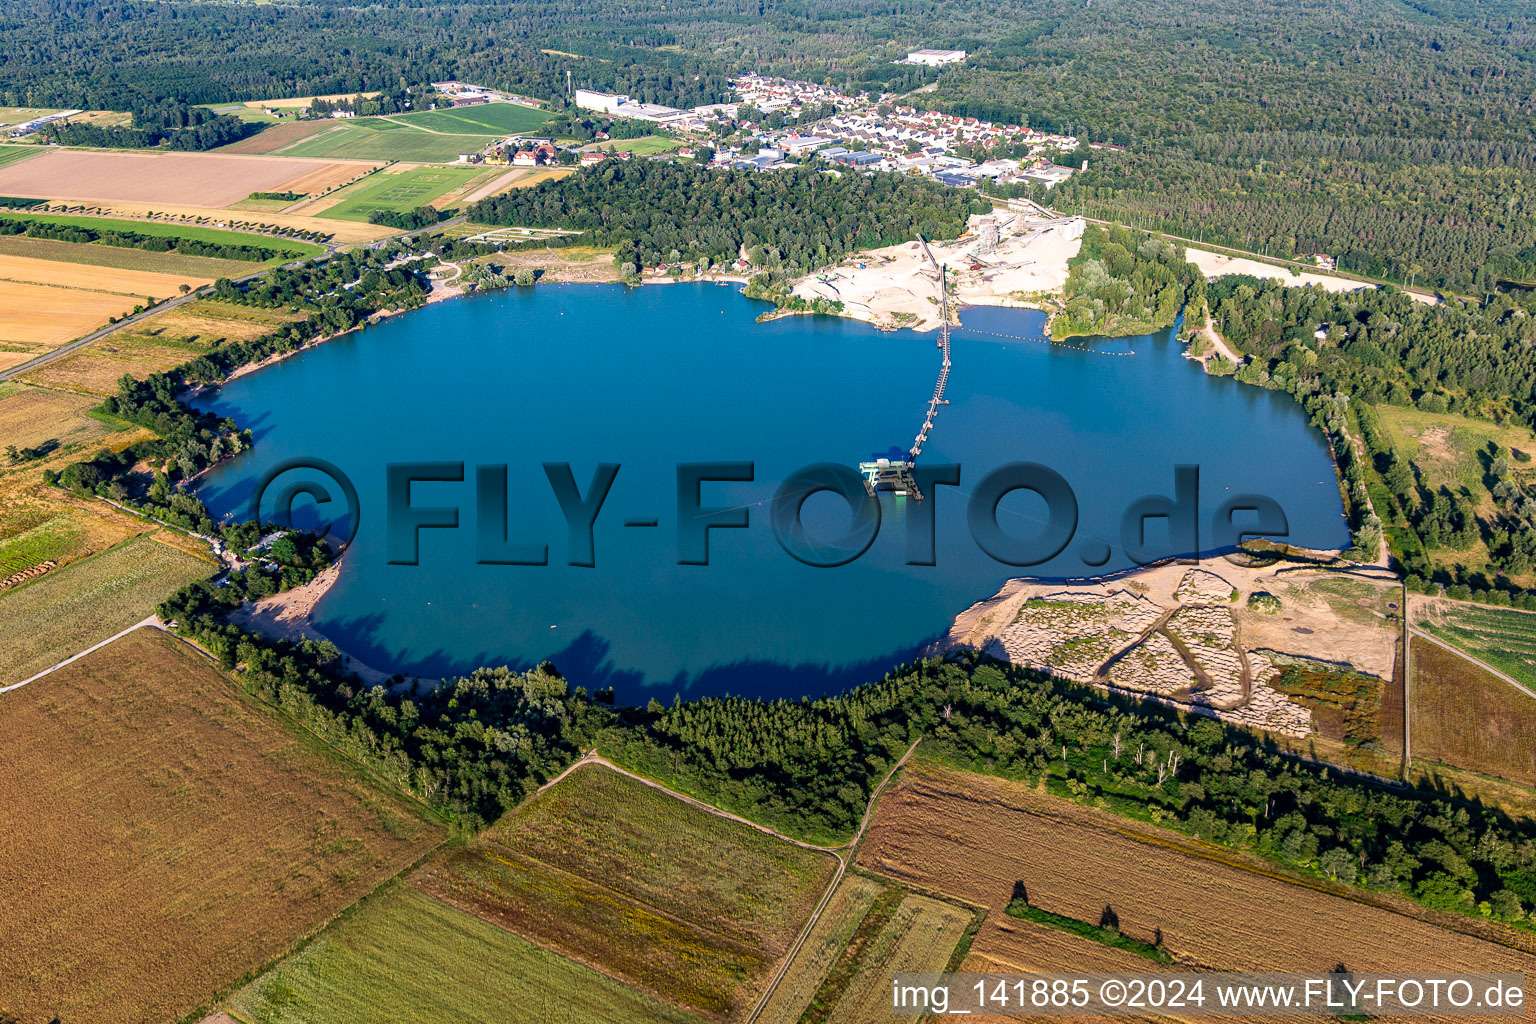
289	616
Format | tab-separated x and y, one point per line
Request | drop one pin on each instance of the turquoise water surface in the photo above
651	377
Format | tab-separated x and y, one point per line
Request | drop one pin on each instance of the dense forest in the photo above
1398	136
788	221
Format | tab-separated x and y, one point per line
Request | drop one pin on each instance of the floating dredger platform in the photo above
896	474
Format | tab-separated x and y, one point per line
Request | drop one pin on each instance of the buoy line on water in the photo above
1043	341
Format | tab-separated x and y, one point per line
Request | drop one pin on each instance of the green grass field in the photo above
404	956
1503	638
10	154
91	254
351	140
400	192
220	236
70	609
488	118
16	115
650	145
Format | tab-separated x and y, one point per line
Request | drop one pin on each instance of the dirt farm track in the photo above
196	179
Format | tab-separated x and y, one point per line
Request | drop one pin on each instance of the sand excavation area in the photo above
896	286
1213	638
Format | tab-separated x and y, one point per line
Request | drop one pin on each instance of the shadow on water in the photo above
586	661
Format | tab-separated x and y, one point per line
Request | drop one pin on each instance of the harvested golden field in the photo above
162	834
31	416
95	368
88	278
49	316
919	938
200	179
82	604
854	897
681	902
211	322
190	215
1465	717
974	837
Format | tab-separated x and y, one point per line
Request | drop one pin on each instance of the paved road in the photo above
64	350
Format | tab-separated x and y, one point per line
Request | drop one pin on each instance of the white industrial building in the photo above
934	58
622	106
607	103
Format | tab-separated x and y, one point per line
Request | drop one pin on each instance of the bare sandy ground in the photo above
897	287
1114	632
1214	264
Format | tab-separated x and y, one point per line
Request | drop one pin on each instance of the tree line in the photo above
186	245
788	221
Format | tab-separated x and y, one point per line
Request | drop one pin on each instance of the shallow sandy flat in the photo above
200	179
1214	264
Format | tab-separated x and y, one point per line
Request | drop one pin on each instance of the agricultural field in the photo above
401	192
282	249
201	179
850	905
166	835
157	343
679	901
95	255
81	604
975	837
1502	637
16	115
486	119
404	956
95	368
1463	716
11	154
44	303
274	140
904	933
377	139
33	416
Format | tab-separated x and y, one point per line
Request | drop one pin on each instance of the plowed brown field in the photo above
199	179
974	836
161	835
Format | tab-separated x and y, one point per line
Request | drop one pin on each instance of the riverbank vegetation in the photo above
1121	284
1460	513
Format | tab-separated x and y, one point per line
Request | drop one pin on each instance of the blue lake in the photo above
652	377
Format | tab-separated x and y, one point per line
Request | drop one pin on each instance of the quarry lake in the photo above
651	377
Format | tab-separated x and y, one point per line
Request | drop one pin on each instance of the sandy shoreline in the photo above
438	293
290	616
